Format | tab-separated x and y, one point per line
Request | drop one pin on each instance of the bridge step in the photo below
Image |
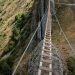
47	33
47	37
45	69
46	50
45	47
46	43
47	61
46	55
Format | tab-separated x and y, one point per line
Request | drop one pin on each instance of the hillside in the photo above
9	12
15	23
66	18
18	21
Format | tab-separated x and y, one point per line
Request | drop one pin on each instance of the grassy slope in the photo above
15	29
9	9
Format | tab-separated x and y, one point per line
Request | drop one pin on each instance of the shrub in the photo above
20	21
5	68
71	65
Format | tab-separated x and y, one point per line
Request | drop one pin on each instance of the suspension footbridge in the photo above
49	62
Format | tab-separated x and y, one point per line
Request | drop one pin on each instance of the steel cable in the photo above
64	34
27	46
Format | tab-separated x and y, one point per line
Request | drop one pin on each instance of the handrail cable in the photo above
64	34
28	46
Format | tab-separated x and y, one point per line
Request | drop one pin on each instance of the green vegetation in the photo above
5	68
60	11
1	22
18	31
21	20
2	36
71	66
2	4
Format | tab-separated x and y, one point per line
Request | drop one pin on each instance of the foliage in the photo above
18	31
60	11
5	68
1	22
2	2
71	65
21	20
2	36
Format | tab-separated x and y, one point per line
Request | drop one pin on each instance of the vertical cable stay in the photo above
27	46
64	34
